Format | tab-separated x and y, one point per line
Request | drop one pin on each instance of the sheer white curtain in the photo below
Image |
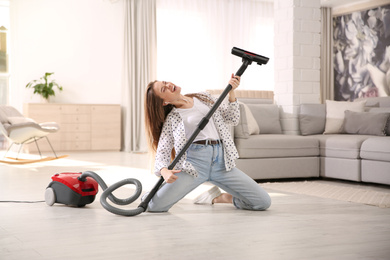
195	38
139	69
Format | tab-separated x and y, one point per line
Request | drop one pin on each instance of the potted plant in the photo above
44	86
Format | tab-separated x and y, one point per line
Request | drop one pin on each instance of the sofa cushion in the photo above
382	110
312	119
267	117
335	114
384	102
376	171
341	145
247	125
365	123
376	148
277	146
275	168
340	168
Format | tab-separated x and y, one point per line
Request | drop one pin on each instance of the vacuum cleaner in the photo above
80	189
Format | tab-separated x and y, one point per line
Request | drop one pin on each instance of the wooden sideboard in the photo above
82	126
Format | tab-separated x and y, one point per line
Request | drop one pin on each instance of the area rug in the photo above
379	197
11	160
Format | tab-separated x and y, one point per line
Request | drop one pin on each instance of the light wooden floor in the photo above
295	227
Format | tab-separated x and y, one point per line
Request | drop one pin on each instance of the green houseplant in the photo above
44	86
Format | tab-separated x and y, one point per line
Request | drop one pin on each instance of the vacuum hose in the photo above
107	193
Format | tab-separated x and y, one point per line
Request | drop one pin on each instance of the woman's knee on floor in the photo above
262	202
153	206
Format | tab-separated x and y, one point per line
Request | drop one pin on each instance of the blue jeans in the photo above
208	160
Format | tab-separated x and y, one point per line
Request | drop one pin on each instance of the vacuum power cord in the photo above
21	201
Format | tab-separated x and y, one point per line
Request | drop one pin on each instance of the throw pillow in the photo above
267	117
312	119
382	110
253	127
365	123
247	125
335	114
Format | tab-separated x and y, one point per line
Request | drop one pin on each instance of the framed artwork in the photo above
361	54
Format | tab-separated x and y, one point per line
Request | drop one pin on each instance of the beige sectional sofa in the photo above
342	140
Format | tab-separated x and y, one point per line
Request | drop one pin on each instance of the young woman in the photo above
170	119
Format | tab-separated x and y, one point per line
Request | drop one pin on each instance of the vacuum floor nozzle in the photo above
250	56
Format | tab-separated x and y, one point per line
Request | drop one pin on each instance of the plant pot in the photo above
44	100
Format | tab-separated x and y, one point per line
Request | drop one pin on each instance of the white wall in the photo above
79	40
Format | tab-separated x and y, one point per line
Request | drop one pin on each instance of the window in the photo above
195	38
4	43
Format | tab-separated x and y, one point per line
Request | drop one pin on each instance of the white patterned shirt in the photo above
173	135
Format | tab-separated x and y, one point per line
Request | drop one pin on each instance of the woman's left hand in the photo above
234	82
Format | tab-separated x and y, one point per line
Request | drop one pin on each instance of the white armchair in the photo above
21	130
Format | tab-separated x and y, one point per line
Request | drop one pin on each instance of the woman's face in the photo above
167	91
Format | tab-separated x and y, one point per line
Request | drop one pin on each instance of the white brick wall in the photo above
297	58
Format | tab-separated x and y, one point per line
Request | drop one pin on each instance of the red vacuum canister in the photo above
66	188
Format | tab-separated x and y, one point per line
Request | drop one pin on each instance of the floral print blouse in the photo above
173	135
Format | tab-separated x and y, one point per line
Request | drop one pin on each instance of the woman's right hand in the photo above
169	175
